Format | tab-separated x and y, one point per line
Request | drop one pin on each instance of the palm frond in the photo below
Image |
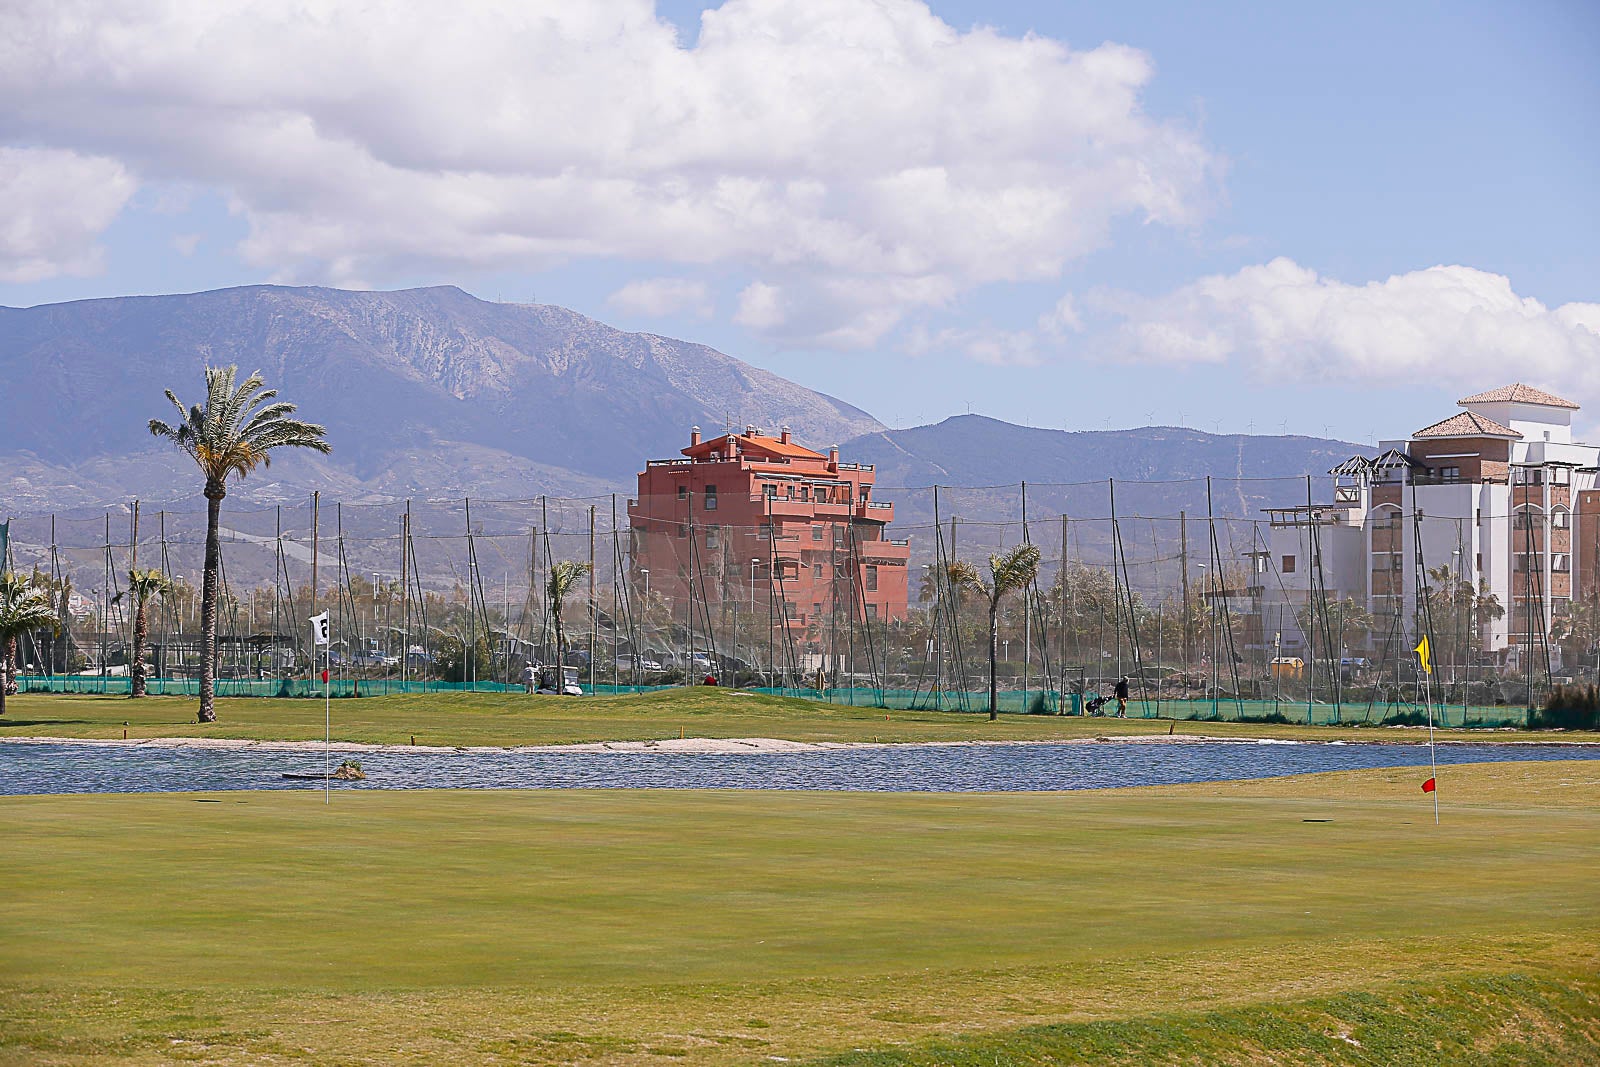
564	577
1014	569
24	608
964	575
238	426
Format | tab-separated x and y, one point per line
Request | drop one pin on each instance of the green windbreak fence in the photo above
1010	702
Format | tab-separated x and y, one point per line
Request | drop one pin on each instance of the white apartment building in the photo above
1498	491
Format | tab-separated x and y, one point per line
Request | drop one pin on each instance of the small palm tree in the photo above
23	609
1008	572
232	433
564	578
142	585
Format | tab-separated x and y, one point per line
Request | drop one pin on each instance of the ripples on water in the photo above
61	768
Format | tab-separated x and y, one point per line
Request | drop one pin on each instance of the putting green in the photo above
724	927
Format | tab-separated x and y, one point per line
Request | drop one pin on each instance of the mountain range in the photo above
433	393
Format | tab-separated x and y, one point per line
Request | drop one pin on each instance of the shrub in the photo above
1569	707
1277	717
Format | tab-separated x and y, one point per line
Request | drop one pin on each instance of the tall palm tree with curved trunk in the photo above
24	608
231	434
1008	572
142	585
564	578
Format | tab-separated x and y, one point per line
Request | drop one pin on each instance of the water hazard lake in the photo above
49	767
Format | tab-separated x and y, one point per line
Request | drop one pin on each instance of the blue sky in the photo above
1224	216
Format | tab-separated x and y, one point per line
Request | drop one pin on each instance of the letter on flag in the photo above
319	628
1428	786
1423	652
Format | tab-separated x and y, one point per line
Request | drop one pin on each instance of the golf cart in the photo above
561	681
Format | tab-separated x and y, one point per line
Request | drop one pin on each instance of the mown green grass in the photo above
468	719
721	927
1502	1019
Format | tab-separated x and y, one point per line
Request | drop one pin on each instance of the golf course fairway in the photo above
506	719
1323	916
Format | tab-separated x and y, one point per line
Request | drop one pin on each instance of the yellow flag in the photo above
1423	652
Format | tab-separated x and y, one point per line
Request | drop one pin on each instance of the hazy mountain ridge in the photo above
971	450
424	391
432	393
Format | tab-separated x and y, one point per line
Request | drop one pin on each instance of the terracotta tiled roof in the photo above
1467	424
752	443
1519	394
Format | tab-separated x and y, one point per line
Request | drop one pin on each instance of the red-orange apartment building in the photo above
749	520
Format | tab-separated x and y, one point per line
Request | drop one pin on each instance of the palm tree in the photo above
564	577
142	585
232	433
23	609
1008	572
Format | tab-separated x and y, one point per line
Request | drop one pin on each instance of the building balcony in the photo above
791	507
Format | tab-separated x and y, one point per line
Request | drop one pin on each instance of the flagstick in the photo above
1433	767
327	730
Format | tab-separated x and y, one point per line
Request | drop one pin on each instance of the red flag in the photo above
1428	786
325	680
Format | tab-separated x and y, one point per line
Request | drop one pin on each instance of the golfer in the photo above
1122	697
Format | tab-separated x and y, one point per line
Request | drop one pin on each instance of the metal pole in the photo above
594	606
316	499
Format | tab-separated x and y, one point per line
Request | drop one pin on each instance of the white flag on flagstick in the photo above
319	628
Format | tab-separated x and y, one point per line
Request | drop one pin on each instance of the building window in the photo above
1449	474
816	570
712	540
816	532
872	611
1560	562
872	578
683	529
765	532
1558	520
683	492
1288	564
710	498
769	491
816	610
1560	476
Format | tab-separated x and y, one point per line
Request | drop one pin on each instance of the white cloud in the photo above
998	348
655	297
1062	319
56	205
760	307
862	155
1447	324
